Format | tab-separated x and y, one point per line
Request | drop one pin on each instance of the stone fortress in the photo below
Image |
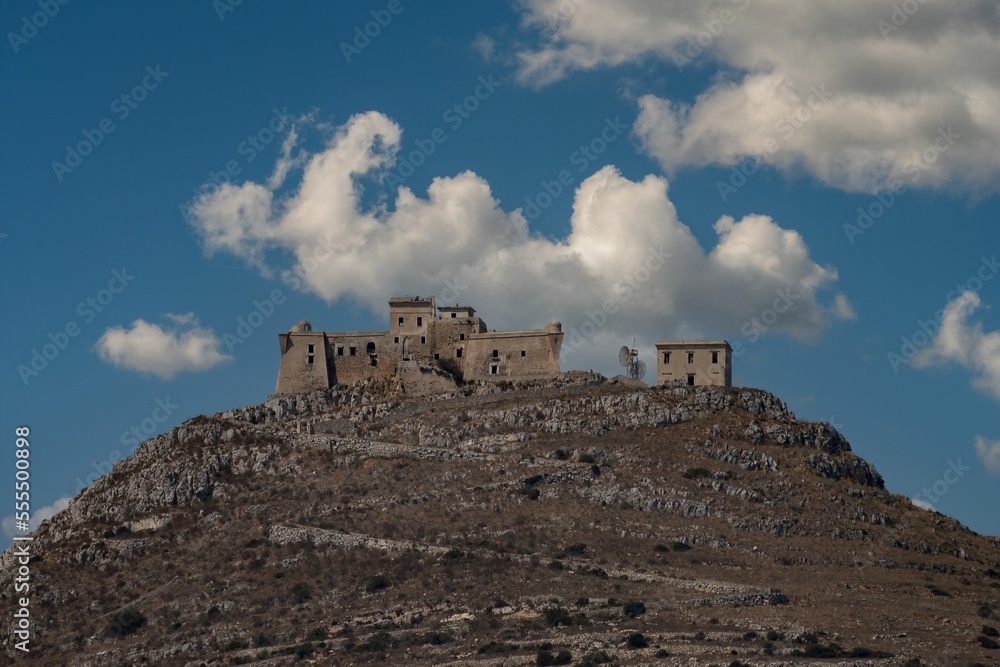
429	347
422	341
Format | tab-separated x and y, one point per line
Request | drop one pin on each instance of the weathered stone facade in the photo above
694	363
451	338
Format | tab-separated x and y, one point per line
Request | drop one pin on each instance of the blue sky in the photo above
185	180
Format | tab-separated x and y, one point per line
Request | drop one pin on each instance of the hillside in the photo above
580	519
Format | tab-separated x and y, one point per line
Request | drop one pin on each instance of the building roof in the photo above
693	343
449	309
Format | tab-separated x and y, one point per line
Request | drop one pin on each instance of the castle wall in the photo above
304	363
513	355
356	355
457	342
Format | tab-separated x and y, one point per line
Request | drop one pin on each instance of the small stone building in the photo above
694	363
451	338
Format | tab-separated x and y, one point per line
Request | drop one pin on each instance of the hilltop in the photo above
573	521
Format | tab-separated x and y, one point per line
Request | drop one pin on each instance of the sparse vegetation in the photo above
636	640
633	609
377	582
125	622
301	592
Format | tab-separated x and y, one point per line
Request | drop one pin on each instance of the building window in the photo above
690	357
458	353
354	351
396	340
454	315
311	348
493	369
311	357
437	356
690	380
496	354
370	348
522	353
423	340
401	321
420	321
715	357
340	351
666	357
461	336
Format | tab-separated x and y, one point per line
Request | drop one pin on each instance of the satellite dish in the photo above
629	358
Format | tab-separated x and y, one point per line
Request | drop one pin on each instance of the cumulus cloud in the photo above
820	87
966	344
9	523
163	351
988	452
629	264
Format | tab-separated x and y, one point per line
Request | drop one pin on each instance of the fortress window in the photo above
437	356
458	353
454	315
354	351
311	357
311	349
666	357
370	348
420	321
496	354
461	336
690	357
340	351
715	357
493	369
396	340
690	380
522	353
423	339
401	321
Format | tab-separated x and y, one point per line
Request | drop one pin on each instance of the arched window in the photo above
370	349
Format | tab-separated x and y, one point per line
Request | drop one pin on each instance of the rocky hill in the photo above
580	521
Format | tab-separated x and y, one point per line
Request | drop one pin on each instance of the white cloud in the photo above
923	504
891	97
459	243
968	345
162	351
842	307
988	452
9	523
